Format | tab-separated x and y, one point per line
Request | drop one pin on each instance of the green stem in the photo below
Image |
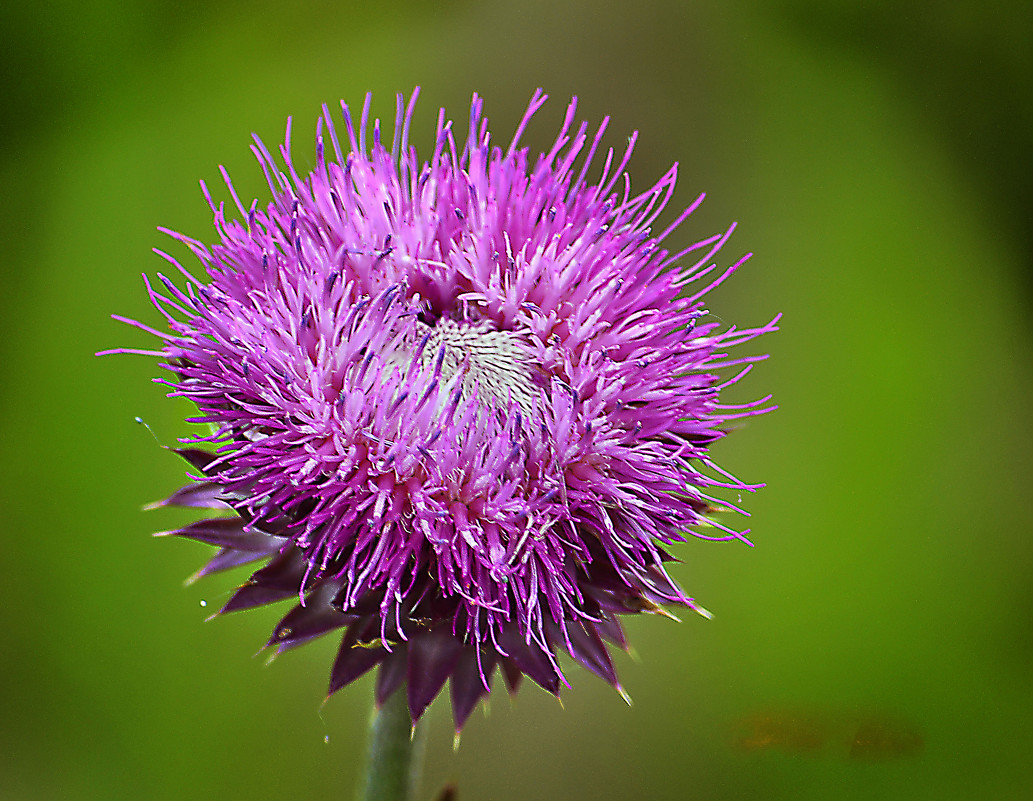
395	755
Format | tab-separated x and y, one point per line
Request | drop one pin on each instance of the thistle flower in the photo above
460	408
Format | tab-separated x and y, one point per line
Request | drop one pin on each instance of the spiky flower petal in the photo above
461	407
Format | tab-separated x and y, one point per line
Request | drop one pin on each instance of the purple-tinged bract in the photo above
460	408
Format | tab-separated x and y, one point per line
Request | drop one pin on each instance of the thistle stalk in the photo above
394	759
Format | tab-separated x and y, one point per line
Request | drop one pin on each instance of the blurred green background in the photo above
876	157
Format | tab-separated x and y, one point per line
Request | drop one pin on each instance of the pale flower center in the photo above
496	366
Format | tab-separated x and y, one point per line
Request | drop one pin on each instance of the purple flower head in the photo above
460	408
